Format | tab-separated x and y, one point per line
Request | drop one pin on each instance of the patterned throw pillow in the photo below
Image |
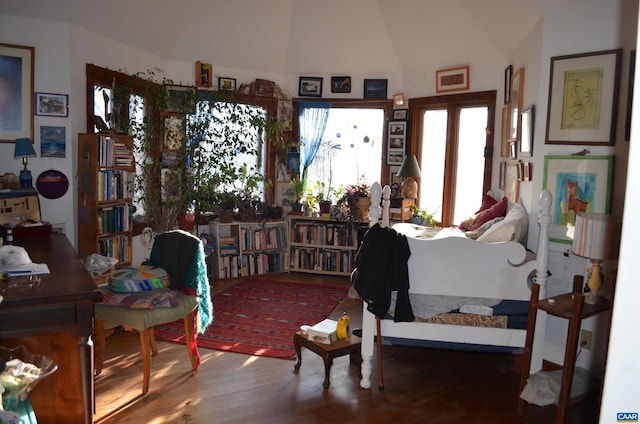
137	279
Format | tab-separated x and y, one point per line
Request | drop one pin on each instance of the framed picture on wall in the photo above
578	184
527	120
375	88
48	104
583	98
452	79
515	105
341	84
16	69
226	84
512	180
504	136
310	87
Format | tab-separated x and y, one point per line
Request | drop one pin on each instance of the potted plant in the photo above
356	198
298	191
422	217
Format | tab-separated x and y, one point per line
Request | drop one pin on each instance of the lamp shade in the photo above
409	167
593	236
24	149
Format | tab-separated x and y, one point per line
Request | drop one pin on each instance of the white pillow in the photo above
513	227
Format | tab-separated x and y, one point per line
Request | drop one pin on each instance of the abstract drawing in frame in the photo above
583	98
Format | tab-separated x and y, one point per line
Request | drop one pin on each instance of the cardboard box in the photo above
324	332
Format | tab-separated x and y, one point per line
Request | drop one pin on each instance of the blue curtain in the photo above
312	120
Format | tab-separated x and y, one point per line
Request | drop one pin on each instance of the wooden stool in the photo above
338	348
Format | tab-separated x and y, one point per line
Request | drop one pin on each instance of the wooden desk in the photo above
52	319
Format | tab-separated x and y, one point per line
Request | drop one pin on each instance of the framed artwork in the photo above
48	104
375	88
632	75
512	180
398	100
397	128
396	142
170	181
341	84
503	169
293	163
285	195
226	84
583	98
527	169
170	158
527	120
181	98
173	132
452	79
395	156
310	87
578	184
504	136
53	142
508	72
204	75
515	105
401	114
16	68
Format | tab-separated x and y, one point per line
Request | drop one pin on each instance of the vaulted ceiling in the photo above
289	36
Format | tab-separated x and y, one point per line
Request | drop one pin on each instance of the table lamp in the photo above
409	170
593	239
24	150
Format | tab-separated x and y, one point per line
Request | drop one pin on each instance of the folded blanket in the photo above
150	299
137	279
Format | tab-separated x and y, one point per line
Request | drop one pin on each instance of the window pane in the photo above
351	148
434	145
470	163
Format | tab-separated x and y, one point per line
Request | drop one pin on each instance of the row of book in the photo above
112	152
114	219
321	259
116	247
115	184
233	266
263	238
323	234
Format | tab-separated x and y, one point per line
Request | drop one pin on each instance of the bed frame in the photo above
444	267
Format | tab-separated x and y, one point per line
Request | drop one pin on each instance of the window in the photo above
454	139
352	145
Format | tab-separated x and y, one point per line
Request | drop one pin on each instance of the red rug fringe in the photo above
260	316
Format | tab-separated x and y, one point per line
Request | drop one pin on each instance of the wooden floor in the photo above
420	385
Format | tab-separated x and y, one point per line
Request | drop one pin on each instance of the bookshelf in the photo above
106	172
249	248
322	245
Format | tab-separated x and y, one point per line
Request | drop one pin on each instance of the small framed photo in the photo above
515	106
508	72
284	194
504	137
52	142
204	73
174	133
181	98
398	100
396	142
341	84
310	87
512	180
452	79
395	156
397	128
48	104
375	88
401	114
527	119
226	84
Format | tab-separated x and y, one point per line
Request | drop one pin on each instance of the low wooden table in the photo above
350	346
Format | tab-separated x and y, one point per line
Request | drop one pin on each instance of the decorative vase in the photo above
362	208
325	208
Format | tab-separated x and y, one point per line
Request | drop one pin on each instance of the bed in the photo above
452	265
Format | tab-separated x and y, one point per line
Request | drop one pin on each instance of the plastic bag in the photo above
98	264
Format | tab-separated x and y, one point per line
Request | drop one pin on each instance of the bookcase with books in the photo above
106	172
322	245
249	248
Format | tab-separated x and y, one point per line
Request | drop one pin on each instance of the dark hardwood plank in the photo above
421	385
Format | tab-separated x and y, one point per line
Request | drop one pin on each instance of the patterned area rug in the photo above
260	317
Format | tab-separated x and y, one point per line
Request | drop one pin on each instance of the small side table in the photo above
338	348
570	306
399	208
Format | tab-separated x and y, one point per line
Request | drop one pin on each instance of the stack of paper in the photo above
27	269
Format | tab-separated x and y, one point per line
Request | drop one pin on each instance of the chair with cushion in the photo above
187	297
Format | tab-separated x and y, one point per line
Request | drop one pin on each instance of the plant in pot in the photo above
356	198
422	217
298	191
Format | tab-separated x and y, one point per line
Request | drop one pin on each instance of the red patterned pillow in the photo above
487	202
495	211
